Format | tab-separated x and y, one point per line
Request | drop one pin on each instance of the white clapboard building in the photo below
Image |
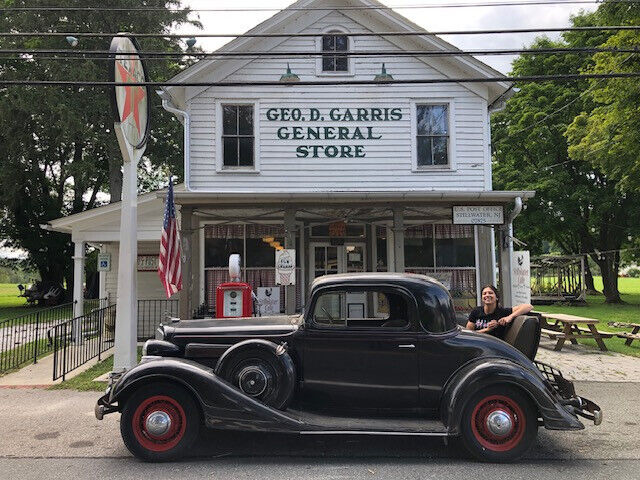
375	176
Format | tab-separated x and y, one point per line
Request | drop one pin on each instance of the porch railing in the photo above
80	339
153	312
23	338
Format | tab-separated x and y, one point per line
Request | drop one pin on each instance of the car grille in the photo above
561	385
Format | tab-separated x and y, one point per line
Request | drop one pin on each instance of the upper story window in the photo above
432	131
334	52
238	135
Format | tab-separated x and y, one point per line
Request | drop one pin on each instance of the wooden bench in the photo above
634	335
552	334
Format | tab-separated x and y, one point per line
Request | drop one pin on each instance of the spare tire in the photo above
261	370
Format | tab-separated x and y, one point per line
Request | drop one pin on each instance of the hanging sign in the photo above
338	229
478	215
286	266
269	301
130	104
520	278
104	262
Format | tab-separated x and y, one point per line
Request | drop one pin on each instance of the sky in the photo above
432	19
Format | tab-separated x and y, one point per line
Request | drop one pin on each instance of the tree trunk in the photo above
115	180
588	278
609	268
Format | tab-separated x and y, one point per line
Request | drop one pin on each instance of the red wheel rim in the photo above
484	436
170	438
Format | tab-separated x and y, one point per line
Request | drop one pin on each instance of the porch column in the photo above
290	242
506	251
185	295
195	263
102	287
398	239
78	280
485	253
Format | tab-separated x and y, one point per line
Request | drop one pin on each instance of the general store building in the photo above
354	177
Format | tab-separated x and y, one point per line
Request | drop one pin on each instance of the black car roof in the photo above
409	280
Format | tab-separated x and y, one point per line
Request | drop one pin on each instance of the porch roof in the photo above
493	197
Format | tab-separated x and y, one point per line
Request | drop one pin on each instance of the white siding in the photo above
149	286
388	161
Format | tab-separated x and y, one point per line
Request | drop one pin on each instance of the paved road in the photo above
47	433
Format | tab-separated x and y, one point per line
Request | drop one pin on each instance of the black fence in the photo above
78	340
24	338
151	313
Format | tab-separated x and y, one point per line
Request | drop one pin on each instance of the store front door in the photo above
326	259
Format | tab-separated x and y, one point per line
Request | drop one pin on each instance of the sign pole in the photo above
131	110
125	354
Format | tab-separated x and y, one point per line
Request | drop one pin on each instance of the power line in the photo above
310	9
529	78
315	35
104	54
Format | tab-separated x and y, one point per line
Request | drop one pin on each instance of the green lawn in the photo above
596	308
10	304
84	381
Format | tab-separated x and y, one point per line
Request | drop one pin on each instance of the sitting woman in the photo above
491	318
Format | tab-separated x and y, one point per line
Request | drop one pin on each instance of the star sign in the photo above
133	95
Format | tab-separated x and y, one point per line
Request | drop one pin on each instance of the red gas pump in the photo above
234	298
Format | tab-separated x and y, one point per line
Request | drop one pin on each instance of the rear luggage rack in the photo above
561	385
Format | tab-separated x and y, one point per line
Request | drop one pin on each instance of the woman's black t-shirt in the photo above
481	319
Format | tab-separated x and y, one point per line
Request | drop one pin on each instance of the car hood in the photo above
245	326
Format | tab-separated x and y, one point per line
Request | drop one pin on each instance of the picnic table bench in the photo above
634	335
571	327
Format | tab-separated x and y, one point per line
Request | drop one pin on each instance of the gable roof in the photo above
293	20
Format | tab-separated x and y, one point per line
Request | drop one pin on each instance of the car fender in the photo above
222	405
279	351
485	372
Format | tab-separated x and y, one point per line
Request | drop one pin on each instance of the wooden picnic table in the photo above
630	337
570	329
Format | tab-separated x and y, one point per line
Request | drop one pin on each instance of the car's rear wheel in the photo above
159	422
262	375
499	424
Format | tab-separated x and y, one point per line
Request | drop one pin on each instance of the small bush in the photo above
633	272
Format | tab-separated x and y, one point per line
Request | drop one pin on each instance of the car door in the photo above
361	355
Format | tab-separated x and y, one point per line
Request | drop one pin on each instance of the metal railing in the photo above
23	339
153	312
80	339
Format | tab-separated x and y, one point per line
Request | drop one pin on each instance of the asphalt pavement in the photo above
55	434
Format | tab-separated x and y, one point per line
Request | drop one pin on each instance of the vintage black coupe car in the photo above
376	353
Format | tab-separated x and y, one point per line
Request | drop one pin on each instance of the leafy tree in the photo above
57	144
577	206
612	127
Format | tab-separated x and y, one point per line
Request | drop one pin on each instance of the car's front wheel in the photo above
499	424
159	422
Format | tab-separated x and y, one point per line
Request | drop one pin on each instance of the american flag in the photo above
169	264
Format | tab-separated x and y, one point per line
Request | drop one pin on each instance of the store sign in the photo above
147	263
520	278
317	129
478	215
104	262
286	266
338	229
269	301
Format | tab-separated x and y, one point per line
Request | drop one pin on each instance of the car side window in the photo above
355	309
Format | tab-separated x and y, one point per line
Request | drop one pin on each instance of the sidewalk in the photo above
41	374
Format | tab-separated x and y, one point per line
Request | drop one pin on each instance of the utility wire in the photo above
105	54
310	9
529	78
329	34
